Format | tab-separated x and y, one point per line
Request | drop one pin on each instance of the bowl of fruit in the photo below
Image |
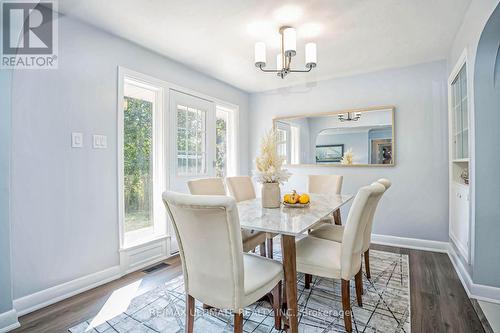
296	200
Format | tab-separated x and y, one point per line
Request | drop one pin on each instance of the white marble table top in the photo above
285	220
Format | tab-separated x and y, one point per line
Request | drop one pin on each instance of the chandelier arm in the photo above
268	70
300	70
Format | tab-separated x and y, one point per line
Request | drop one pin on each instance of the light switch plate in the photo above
76	140
100	141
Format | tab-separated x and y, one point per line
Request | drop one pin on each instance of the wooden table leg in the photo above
290	270
337	217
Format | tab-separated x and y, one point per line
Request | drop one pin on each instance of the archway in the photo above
487	153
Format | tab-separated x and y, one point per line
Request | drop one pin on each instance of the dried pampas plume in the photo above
269	164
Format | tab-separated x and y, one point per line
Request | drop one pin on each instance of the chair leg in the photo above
367	264
307	281
358	279
277	300
346	305
238	322
262	248
337	217
189	313
269	243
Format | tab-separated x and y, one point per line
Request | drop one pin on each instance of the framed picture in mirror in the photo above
356	137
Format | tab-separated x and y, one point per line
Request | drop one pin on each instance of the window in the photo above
225	158
138	158
191	141
295	144
282	133
142	181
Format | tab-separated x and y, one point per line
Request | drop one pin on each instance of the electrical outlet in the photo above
100	141
76	140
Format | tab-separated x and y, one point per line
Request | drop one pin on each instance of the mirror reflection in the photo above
359	137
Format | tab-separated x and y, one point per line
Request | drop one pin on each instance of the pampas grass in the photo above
269	164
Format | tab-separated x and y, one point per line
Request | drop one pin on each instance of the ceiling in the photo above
217	37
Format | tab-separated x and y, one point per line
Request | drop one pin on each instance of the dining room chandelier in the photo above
284	58
349	116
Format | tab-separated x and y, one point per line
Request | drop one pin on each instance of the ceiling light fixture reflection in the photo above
349	116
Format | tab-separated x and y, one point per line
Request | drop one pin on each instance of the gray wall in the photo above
487	119
417	204
64	200
5	256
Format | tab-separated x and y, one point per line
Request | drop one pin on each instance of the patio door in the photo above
193	141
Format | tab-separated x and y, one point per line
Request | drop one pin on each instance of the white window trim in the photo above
164	137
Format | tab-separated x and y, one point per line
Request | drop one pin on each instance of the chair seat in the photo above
319	257
252	239
261	275
329	231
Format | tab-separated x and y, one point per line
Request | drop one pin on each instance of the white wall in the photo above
417	204
64	200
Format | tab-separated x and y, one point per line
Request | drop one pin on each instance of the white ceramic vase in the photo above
271	195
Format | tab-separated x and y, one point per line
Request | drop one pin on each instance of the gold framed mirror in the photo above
347	138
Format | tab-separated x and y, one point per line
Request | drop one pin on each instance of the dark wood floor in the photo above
438	301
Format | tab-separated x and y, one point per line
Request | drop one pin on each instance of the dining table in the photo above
290	223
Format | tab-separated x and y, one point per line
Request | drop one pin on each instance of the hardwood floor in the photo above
438	301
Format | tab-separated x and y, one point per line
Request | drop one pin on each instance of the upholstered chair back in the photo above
357	220
325	184
373	208
210	246
368	230
240	188
207	186
386	182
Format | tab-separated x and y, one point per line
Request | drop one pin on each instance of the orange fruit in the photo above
304	198
286	198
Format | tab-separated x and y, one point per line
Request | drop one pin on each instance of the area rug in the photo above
386	306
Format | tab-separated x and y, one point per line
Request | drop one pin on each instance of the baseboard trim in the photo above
411	243
473	290
8	321
60	292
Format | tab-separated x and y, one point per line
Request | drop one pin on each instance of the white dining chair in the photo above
215	186
328	185
215	269
329	259
335	232
241	188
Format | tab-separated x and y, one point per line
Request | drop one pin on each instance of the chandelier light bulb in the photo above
260	54
311	55
290	41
